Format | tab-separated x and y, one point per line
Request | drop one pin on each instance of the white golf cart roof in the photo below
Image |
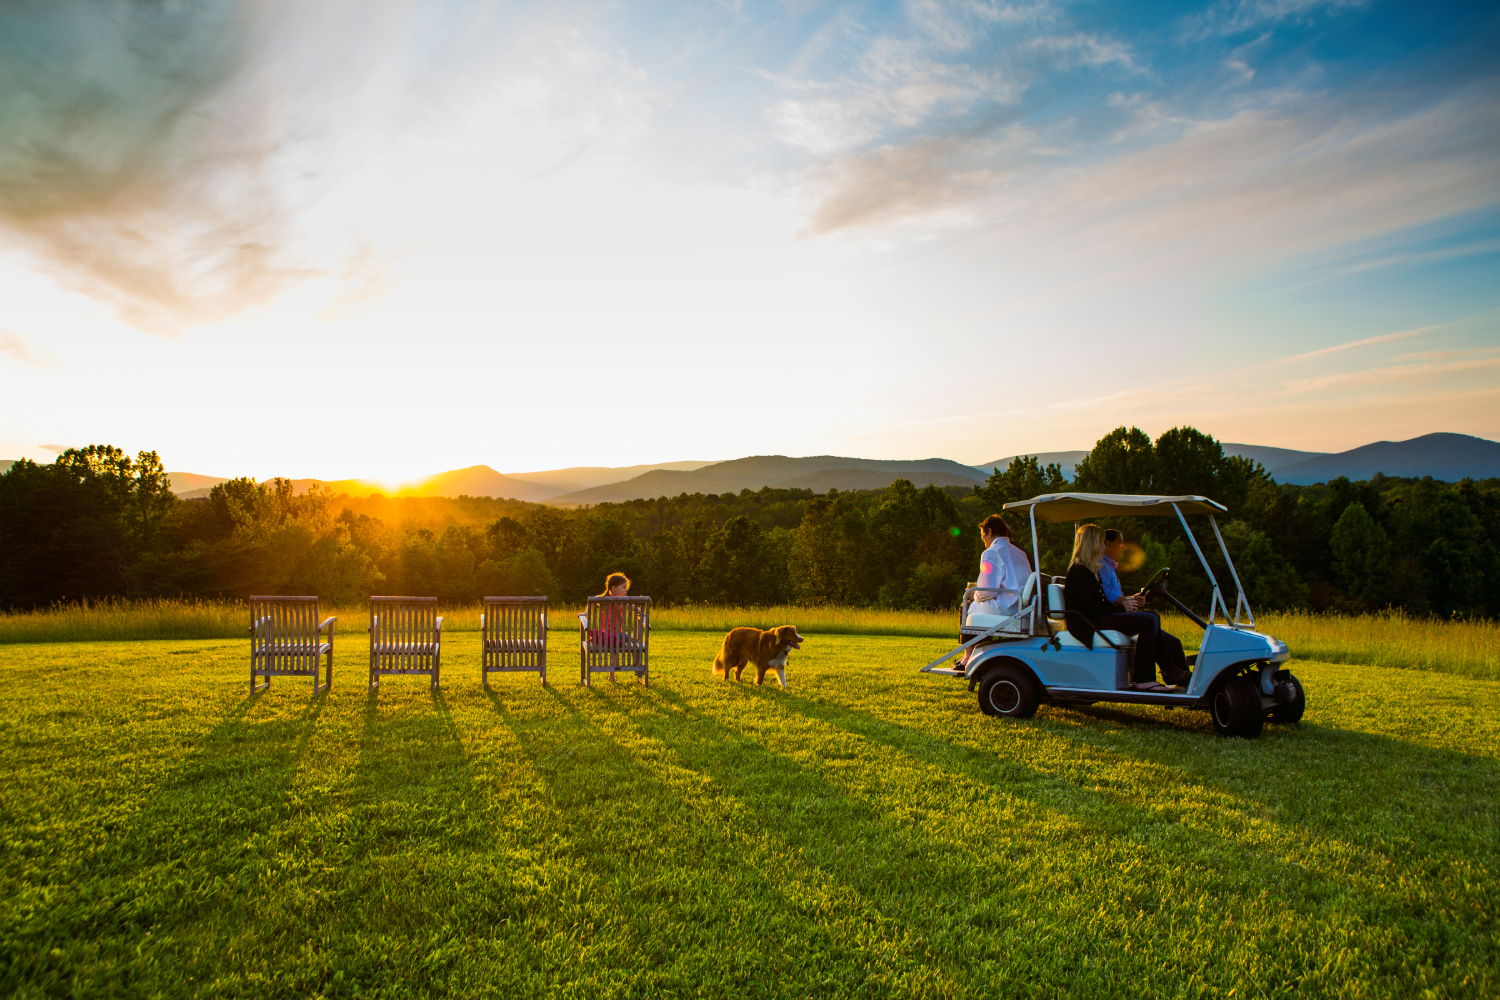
1076	506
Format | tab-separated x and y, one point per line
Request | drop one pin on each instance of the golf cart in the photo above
1024	656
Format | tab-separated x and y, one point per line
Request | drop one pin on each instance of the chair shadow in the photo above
617	780
412	779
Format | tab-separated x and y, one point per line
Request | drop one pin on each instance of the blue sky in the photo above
891	230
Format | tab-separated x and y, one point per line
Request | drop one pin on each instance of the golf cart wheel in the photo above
1235	708
1008	692
1290	712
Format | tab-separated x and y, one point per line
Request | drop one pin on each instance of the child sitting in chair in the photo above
612	630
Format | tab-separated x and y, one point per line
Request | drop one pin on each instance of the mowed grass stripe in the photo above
866	833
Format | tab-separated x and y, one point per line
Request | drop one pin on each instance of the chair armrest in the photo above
583	620
544	623
481	623
259	624
327	623
439	624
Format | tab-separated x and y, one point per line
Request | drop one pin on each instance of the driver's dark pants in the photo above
1152	645
1144	626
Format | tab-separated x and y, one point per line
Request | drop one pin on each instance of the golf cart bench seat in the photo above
1118	638
981	619
1057	605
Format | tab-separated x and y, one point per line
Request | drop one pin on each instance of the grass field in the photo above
866	833
1466	648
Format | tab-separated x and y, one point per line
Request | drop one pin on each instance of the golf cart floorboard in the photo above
1064	694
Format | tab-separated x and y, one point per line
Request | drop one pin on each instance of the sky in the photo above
383	239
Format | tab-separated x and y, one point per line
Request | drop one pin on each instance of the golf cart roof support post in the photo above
1036	555
1215	598
1239	587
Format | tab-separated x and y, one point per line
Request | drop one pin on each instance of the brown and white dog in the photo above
767	650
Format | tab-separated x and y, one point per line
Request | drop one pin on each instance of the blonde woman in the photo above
1089	611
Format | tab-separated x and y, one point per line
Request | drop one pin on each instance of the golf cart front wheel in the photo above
1289	712
1235	708
1009	692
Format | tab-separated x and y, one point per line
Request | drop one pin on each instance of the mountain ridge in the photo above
1442	455
1445	456
756	472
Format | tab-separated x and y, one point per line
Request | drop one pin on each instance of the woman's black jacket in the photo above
1085	599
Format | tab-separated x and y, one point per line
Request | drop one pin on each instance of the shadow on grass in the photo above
1347	787
954	897
173	860
412	781
686	878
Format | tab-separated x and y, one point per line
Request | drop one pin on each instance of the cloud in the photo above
1087	50
1261	185
14	346
132	153
896	85
1233	17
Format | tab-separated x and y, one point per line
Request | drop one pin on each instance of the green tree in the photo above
733	569
1361	555
1122	461
1270	581
74	529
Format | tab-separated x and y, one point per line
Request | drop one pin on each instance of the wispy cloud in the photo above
15	347
1087	50
1474	249
1233	17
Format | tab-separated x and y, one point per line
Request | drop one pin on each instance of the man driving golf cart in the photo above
1056	643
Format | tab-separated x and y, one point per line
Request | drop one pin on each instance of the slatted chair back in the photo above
406	637
287	639
514	635
615	634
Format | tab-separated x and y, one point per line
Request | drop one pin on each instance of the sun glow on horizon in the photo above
549	236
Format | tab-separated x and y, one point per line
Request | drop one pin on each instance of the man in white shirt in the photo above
1003	567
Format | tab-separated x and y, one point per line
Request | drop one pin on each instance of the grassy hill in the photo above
865	833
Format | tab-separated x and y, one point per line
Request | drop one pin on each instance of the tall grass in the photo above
116	621
1389	639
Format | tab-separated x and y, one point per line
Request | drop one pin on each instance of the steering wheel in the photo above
1158	582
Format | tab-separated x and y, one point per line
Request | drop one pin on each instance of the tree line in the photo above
97	523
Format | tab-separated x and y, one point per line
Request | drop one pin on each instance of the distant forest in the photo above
98	524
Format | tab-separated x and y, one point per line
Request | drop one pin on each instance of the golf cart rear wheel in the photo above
1290	712
1235	708
1009	692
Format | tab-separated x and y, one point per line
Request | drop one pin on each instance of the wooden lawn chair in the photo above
615	634
406	637
514	631
286	640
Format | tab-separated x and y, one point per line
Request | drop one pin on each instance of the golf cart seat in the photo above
1057	606
981	619
1120	639
1012	619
